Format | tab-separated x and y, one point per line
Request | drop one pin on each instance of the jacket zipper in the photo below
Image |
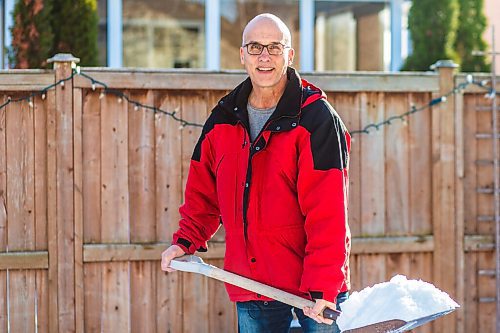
248	177
246	140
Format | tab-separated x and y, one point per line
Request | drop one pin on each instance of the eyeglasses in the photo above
272	49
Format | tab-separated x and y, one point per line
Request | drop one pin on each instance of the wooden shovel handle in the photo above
194	264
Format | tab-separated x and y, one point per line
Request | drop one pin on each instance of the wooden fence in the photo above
90	185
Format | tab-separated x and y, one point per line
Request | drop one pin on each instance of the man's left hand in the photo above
316	312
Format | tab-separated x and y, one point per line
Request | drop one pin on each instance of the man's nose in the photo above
265	54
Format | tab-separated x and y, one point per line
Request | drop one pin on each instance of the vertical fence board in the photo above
347	105
436	169
169	301
41	228
372	164
52	211
421	268
471	168
373	269
373	178
168	198
3	215
93	286
459	209
397	264
64	198
355	267
143	296
91	146
114	171
195	303
22	301
471	306
42	299
115	316
397	167
91	191
222	315
195	288
444	178
168	168
78	209
142	211
141	177
115	212
21	210
20	207
20	177
419	139
40	151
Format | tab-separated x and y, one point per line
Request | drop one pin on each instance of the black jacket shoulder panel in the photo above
217	116
328	135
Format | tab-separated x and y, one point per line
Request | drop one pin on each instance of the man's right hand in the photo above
172	252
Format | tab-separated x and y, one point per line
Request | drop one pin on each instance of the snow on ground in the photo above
399	298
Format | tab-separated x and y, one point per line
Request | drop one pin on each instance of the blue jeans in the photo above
275	317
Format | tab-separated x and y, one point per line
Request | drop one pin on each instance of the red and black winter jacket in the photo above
282	199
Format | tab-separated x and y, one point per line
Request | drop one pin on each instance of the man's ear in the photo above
291	53
241	56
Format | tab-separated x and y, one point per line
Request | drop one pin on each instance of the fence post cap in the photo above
444	64
64	57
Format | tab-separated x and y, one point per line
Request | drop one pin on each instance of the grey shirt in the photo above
257	119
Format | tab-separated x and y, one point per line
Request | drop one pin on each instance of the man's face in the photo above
265	70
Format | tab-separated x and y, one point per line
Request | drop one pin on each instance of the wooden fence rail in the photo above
90	185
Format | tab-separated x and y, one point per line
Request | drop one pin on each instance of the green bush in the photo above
32	34
43	28
470	36
433	26
75	25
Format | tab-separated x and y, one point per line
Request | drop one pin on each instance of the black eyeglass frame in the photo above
266	47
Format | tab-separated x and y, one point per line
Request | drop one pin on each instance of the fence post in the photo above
443	190
61	222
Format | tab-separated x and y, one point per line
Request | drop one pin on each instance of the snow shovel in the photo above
194	264
397	325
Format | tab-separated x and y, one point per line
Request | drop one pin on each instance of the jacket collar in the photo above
298	93
288	105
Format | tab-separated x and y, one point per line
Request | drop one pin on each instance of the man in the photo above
271	166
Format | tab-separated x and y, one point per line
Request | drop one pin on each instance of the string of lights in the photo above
41	93
137	104
441	99
491	93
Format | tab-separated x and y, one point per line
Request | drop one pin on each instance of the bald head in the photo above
271	21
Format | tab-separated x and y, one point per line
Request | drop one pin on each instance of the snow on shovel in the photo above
194	264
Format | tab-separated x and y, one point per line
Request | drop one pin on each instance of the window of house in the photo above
164	34
351	36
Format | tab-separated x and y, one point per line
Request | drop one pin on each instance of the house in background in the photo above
336	35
